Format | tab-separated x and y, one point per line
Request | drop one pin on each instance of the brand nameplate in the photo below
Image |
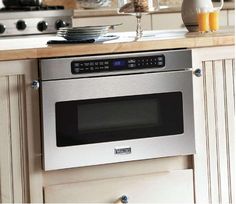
123	150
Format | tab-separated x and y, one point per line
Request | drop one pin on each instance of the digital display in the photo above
118	63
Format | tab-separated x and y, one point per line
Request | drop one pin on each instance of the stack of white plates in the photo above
83	33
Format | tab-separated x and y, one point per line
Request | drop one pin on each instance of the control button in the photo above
96	63
101	63
42	26
76	64
60	24
76	70
131	65
106	67
131	61
106	63
160	58
160	63
2	28
20	25
86	64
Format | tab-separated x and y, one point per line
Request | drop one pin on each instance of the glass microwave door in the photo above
119	118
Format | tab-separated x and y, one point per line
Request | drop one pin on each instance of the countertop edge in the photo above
103	48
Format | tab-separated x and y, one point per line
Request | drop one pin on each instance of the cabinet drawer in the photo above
166	187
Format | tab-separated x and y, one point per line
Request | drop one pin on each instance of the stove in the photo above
30	20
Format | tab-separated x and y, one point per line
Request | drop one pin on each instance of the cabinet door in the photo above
128	22
214	99
19	126
168	187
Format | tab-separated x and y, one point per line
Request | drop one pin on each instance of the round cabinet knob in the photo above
42	26
124	199
2	28
60	24
198	72
21	25
35	84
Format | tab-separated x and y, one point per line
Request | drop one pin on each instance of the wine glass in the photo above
136	8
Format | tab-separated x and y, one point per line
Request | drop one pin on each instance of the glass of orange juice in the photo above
214	20
203	20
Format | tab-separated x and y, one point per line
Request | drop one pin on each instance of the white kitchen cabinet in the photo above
231	17
20	149
128	22
214	99
166	187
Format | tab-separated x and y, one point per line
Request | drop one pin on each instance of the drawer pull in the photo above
122	200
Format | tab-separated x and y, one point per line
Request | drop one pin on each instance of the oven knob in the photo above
2	28
60	24
21	25
42	26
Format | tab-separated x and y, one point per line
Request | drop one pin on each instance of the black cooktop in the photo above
31	8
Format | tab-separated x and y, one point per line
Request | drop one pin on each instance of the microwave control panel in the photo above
104	65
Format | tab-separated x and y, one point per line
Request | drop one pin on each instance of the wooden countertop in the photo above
15	48
79	13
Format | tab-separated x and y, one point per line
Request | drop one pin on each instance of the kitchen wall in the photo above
74	4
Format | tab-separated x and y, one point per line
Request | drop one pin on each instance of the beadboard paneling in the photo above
215	159
14	182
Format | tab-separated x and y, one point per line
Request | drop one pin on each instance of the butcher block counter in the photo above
16	48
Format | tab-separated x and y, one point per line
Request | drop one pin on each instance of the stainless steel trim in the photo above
32	18
115	86
60	68
6	15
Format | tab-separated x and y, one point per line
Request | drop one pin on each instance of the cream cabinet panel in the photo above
128	22
214	99
231	17
20	150
167	187
167	21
